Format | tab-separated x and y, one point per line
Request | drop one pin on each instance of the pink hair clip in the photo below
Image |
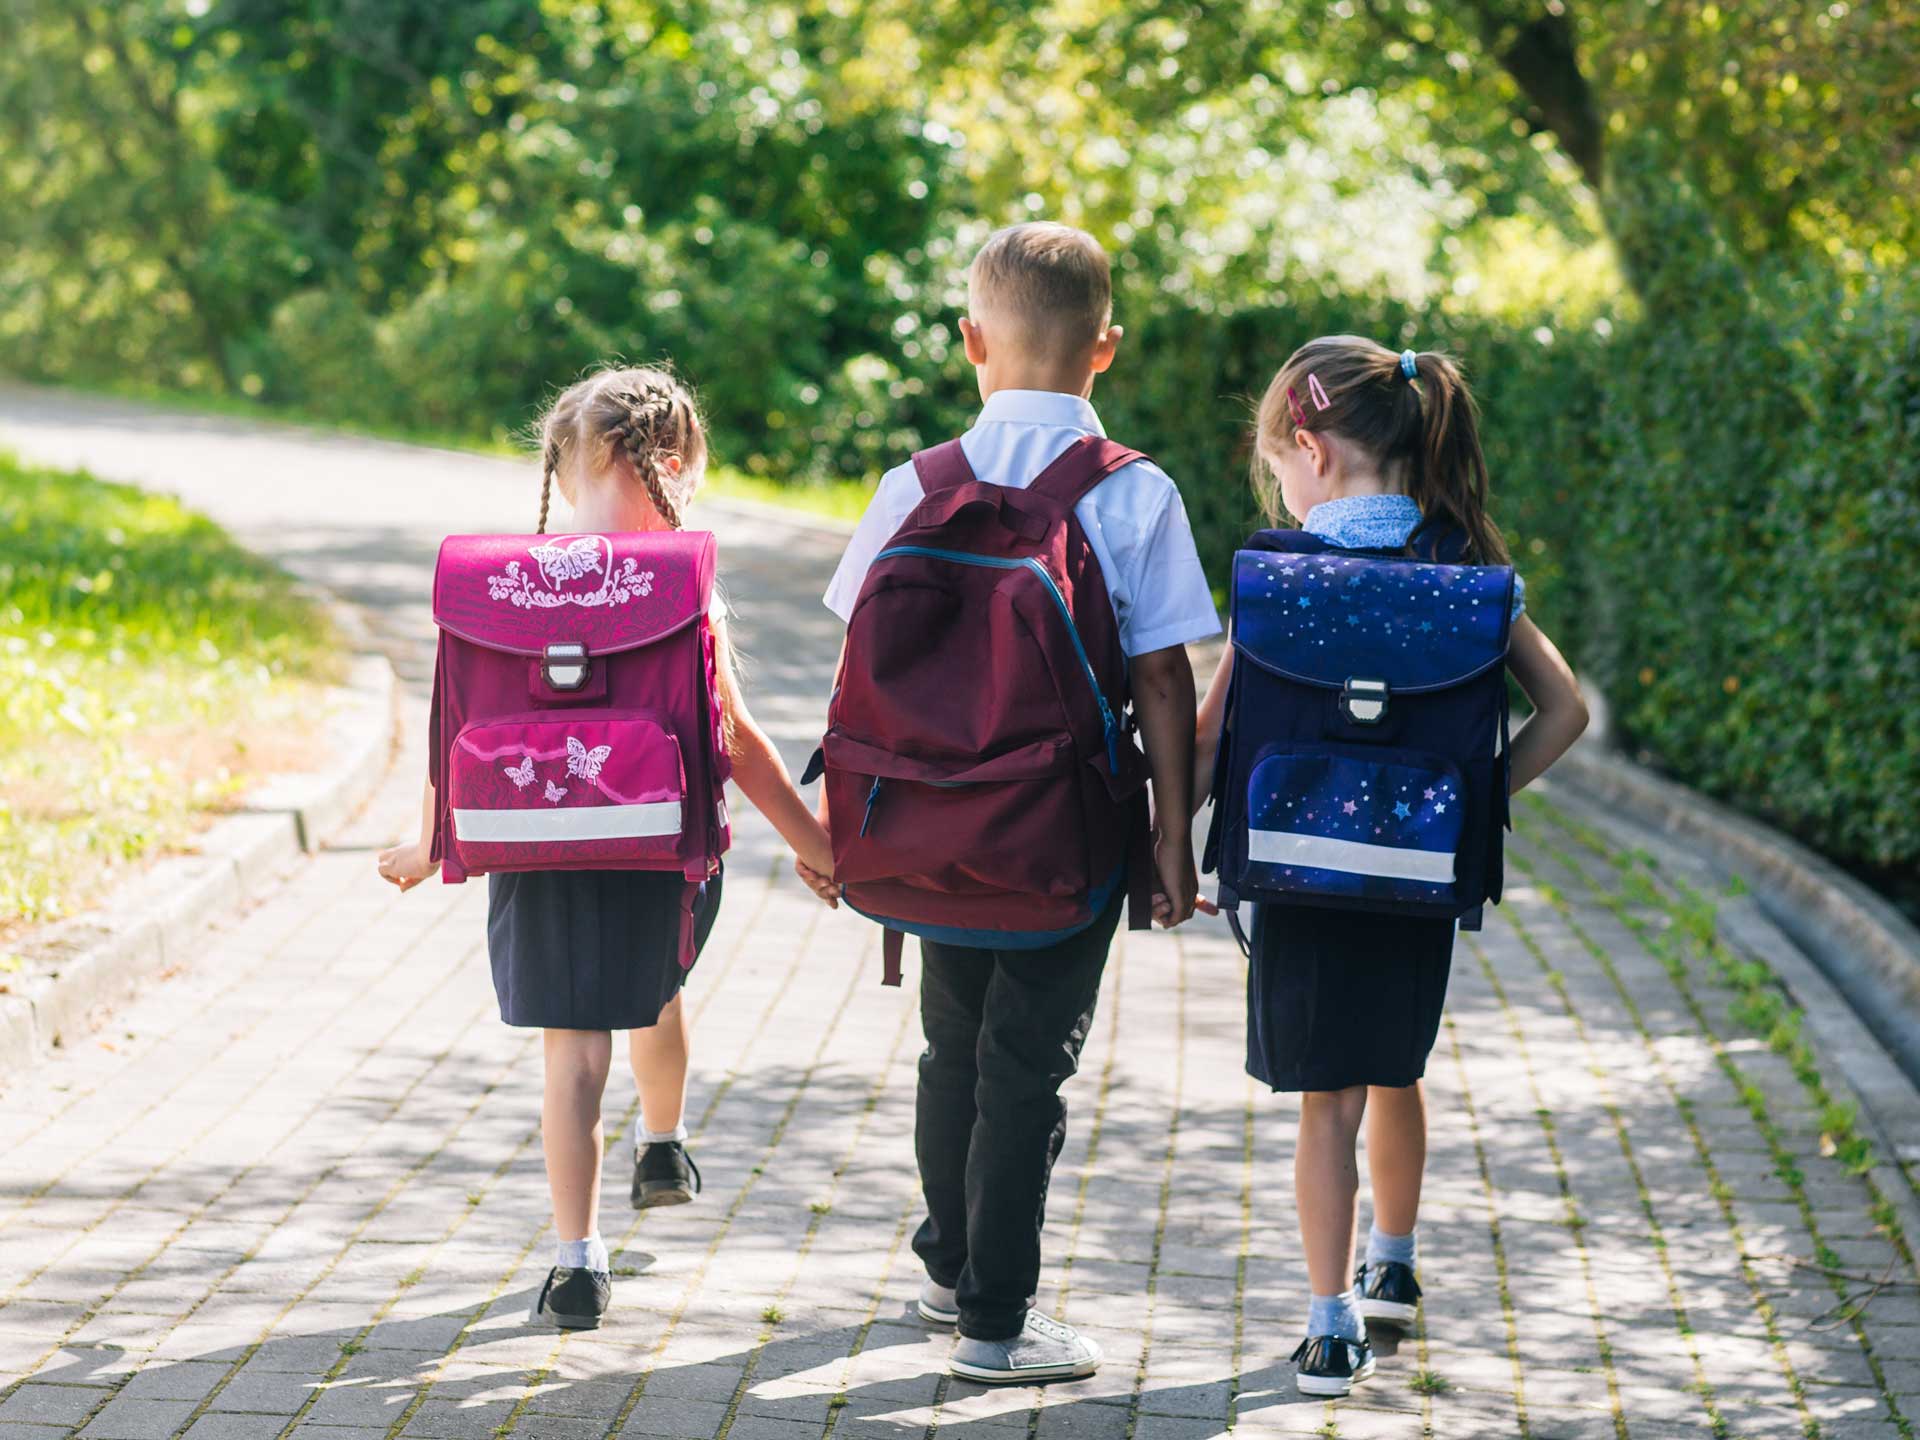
1320	400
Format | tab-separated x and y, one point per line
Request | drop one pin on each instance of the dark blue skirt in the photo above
590	949
1337	998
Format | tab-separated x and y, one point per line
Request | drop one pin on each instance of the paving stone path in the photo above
295	1188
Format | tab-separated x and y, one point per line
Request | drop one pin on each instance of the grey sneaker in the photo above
1044	1350
938	1303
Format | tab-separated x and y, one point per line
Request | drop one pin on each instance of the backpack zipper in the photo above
866	820
1108	725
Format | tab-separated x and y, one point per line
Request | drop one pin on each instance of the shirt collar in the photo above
1365	522
1040	407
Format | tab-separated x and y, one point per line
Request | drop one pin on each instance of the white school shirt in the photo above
1134	519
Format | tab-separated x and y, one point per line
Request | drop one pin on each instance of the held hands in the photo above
813	861
406	865
1179	883
821	883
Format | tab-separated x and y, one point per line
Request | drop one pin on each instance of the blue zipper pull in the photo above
1112	729
872	795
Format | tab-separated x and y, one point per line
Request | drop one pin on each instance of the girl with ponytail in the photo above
582	953
1370	451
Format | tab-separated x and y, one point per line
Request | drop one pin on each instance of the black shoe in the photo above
1332	1366
573	1299
1387	1294
664	1174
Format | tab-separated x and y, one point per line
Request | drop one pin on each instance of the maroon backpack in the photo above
576	719
982	777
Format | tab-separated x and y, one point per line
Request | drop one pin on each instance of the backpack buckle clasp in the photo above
564	666
1364	702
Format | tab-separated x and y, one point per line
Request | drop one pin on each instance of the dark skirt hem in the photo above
590	949
1342	998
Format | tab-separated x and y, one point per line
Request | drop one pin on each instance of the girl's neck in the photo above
1369	482
611	504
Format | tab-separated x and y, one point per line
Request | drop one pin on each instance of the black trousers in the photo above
1004	1030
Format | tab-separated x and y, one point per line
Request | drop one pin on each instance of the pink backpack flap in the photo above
981	771
576	711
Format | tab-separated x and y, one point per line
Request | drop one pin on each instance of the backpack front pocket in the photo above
1008	823
546	792
1345	824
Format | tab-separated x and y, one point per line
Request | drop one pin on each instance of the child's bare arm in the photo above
1206	729
1559	712
408	863
1163	699
763	776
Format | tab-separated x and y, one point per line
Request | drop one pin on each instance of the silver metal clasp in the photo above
565	666
1364	702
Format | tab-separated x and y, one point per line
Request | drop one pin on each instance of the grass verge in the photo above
150	670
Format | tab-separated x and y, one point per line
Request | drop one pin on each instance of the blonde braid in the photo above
649	414
550	462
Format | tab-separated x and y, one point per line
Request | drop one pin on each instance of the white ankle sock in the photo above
587	1254
1382	1247
1335	1315
649	1137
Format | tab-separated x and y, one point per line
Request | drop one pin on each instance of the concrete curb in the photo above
153	922
1868	949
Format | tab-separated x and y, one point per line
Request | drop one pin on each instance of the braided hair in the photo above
645	437
636	417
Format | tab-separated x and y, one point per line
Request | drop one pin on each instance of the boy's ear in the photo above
973	340
1104	348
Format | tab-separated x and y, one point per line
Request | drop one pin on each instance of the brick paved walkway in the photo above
295	1190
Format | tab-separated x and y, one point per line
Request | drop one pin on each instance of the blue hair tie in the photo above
1409	365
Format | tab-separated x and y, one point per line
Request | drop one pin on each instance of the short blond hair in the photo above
1049	283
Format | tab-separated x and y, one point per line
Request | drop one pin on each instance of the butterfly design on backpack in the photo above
560	563
522	776
583	762
555	793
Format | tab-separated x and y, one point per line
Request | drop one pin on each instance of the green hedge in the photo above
1717	509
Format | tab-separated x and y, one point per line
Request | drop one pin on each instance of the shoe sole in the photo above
936	1317
541	1315
657	1193
1333	1387
1388	1312
1082	1370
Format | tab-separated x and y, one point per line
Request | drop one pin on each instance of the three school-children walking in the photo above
1012	760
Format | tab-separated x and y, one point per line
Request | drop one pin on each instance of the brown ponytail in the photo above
1421	431
1451	478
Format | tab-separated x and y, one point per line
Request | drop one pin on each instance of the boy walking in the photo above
1005	1026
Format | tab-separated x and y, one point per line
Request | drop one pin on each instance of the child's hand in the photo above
1179	880
406	865
1163	908
821	885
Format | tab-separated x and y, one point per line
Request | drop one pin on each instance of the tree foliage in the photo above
1667	235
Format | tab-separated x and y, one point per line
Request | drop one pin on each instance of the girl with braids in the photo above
1372	451
581	953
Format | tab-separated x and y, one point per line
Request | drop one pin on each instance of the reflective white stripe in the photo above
1285	847
579	822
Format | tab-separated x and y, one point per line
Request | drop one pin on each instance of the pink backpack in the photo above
982	775
576	719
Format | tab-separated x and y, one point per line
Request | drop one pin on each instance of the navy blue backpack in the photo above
1363	756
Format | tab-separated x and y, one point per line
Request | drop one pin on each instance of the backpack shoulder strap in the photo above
942	467
1080	467
1290	542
